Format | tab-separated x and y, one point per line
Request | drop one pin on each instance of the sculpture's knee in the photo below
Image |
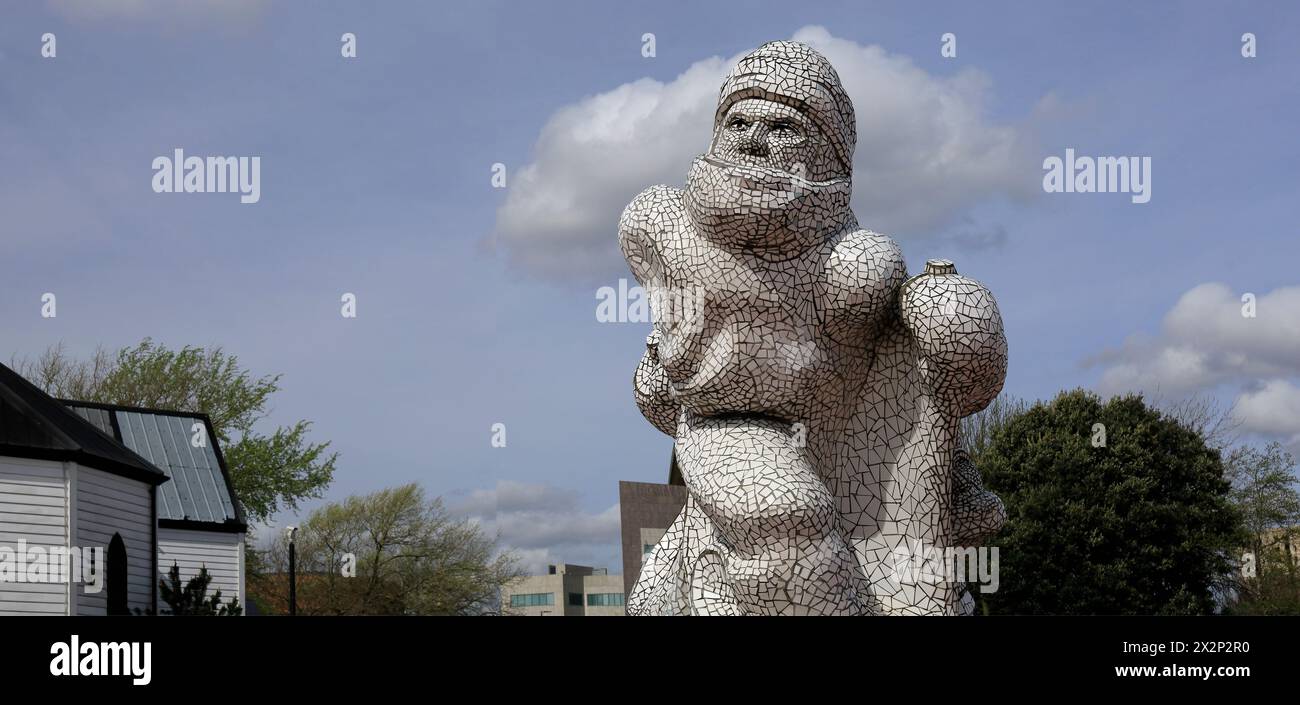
784	511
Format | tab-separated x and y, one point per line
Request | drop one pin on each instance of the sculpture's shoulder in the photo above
654	212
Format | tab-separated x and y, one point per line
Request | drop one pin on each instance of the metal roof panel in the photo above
166	440
199	490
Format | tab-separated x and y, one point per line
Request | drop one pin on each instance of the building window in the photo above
648	548
605	599
533	599
575	599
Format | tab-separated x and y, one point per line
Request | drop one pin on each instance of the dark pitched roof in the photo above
200	495
35	425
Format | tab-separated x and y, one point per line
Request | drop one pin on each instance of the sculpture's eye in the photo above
737	123
785	128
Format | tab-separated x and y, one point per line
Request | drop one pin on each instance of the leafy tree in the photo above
192	598
1140	525
270	472
406	555
257	572
1263	489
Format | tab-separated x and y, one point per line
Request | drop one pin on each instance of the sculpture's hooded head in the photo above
779	169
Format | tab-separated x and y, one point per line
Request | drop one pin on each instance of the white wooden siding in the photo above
221	552
108	504
33	508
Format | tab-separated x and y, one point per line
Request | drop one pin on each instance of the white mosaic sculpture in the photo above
814	391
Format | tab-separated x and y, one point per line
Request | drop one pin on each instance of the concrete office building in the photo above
646	510
565	591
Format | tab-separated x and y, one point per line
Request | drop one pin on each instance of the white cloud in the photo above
1205	341
510	496
544	524
926	154
1272	410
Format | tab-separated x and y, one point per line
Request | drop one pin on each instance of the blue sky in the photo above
476	305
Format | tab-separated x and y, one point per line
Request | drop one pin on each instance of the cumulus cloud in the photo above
1271	410
926	154
544	524
1205	341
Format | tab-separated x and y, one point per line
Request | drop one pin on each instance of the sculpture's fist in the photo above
957	327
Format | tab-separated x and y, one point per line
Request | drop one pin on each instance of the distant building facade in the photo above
646	510
565	591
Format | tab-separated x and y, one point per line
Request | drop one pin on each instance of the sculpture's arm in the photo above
958	330
637	229
640	226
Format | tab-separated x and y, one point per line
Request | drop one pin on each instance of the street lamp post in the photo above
293	575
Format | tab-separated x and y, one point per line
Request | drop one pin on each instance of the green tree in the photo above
192	598
270	471
1138	524
1264	491
390	552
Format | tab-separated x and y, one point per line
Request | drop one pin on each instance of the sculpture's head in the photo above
782	151
783	107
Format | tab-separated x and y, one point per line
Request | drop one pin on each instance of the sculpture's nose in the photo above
754	142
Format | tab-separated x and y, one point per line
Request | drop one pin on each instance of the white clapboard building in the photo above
148	488
64	485
200	524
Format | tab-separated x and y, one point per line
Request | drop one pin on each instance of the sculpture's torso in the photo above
771	334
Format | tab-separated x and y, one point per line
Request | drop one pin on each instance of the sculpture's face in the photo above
768	134
771	179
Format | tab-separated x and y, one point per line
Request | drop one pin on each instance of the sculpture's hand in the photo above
653	391
957	327
977	513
